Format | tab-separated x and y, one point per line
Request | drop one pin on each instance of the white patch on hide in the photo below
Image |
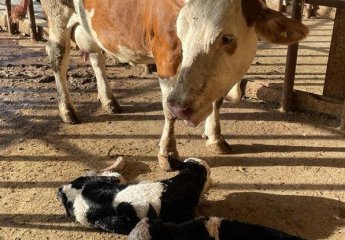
199	24
84	40
71	193
140	196
80	209
74	19
79	204
212	226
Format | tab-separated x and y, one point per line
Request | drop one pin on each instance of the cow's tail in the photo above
19	11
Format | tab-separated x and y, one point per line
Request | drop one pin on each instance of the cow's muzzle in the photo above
181	111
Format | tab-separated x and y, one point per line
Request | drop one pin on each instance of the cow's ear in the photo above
272	26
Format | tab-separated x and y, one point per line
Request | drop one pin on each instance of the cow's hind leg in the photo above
58	13
168	141
105	94
58	49
97	60
215	141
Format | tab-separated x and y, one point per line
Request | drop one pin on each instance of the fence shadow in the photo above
309	217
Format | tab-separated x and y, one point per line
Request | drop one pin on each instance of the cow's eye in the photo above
227	40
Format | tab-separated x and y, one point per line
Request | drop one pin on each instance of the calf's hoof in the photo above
219	147
163	162
118	166
70	117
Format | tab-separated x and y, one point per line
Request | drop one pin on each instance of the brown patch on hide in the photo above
145	27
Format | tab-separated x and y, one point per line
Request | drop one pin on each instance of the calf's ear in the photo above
272	26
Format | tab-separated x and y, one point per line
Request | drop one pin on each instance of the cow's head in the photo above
219	40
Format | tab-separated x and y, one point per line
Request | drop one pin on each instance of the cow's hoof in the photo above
112	107
164	162
70	117
219	147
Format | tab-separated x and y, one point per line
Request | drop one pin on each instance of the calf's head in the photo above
68	193
219	40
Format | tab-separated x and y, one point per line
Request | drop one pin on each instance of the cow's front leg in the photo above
58	49
105	94
167	145
235	94
215	141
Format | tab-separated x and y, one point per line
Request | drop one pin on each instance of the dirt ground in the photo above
285	171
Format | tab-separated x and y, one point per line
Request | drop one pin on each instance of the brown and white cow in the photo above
202	48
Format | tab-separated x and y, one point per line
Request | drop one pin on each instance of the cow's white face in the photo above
219	45
218	48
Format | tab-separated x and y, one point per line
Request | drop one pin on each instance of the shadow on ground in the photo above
309	217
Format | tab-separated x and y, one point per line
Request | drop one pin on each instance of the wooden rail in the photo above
336	47
328	3
13	27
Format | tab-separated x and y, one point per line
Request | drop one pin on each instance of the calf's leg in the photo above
215	141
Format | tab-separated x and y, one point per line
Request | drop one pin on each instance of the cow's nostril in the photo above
186	112
179	110
171	102
182	112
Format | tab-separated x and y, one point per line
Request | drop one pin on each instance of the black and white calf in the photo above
71	194
205	229
105	203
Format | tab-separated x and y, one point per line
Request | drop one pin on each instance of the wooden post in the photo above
33	28
335	75
342	125
280	6
291	61
11	26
